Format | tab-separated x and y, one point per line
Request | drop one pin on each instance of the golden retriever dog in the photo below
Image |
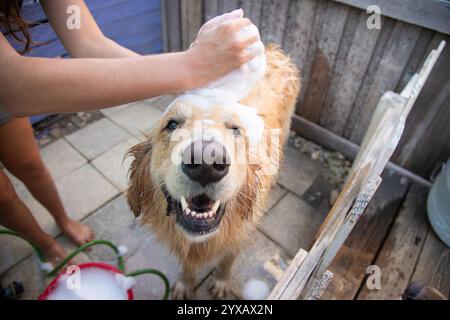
203	211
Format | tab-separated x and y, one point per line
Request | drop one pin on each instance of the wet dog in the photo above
197	180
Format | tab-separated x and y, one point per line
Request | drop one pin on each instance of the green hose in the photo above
59	266
38	250
156	273
120	264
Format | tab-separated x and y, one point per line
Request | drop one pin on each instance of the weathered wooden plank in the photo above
191	21
314	37
298	31
273	21
388	73
377	54
434	146
361	201
434	15
402	247
366	238
210	9
171	17
227	5
348	74
322	64
421	50
252	10
433	266
292	282
426	107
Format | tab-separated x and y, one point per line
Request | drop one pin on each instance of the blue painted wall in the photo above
135	24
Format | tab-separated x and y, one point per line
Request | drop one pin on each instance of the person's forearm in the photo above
103	48
39	85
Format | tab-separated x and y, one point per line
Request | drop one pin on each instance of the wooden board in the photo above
322	67
366	83
171	27
360	249
191	21
210	9
348	75
273	21
433	266
433	14
421	50
402	247
313	40
252	10
299	27
388	73
423	120
434	146
227	5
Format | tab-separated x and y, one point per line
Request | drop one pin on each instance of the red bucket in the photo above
55	288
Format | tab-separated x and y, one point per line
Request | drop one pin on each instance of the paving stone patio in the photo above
90	174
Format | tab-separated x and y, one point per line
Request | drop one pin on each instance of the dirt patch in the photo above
336	166
59	125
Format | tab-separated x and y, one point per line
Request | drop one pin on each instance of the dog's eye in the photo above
236	130
172	125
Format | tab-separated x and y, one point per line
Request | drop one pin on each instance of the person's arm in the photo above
86	42
39	85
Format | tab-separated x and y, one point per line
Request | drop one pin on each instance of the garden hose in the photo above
156	273
71	255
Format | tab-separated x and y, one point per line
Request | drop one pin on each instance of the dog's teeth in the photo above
205	215
188	211
193	213
216	206
210	213
183	203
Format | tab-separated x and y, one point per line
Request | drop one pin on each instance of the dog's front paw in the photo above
220	289
181	292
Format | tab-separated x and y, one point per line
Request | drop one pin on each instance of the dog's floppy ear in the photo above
139	180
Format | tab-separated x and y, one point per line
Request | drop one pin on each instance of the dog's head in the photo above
195	168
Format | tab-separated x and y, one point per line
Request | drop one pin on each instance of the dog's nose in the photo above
205	162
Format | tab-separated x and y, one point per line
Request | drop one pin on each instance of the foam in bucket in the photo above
93	284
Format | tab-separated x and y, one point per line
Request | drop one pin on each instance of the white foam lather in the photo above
233	87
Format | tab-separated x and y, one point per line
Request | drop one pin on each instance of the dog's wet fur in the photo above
210	216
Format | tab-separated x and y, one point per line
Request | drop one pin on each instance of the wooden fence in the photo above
346	66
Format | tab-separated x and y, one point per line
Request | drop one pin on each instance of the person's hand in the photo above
219	48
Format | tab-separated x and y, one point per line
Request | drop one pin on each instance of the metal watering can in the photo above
438	204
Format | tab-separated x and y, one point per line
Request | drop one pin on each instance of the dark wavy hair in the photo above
12	23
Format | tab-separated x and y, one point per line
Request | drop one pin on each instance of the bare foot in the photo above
78	232
54	252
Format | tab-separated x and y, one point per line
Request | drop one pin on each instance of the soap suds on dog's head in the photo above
229	90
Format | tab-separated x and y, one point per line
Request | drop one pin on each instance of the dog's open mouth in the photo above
198	216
